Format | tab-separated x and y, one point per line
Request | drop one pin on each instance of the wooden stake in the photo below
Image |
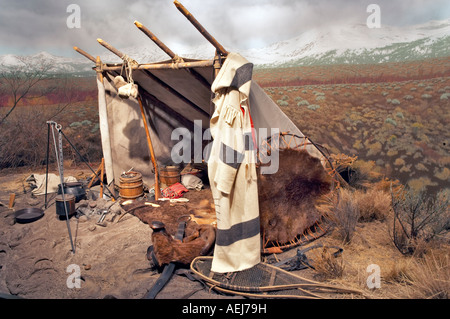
12	197
102	172
94	176
152	153
200	28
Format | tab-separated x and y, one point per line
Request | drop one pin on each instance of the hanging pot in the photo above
73	188
70	205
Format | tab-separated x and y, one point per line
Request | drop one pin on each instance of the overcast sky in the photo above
28	27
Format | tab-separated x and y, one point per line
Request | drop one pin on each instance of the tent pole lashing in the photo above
155	78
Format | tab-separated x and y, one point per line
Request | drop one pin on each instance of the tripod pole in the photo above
47	159
59	161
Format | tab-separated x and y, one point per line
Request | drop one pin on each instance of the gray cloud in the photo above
32	26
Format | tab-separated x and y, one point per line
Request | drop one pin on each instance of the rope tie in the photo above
175	61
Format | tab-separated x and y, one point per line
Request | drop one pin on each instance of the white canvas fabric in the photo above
38	182
232	170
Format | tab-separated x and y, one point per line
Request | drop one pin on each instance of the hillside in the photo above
394	117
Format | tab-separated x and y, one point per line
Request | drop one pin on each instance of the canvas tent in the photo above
175	94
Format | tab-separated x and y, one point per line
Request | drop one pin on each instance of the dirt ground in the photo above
37	261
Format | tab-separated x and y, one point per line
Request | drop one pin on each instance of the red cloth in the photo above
174	191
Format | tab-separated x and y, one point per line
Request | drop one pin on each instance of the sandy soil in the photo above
37	261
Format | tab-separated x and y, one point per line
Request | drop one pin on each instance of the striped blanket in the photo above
232	170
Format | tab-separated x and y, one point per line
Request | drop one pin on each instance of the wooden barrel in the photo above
170	175
131	185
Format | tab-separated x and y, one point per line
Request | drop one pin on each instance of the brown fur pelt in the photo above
198	240
167	249
287	199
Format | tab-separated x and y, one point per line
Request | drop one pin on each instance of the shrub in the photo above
445	96
303	103
395	102
313	107
346	214
328	266
426	96
408	97
282	103
390	121
75	124
320	98
418	217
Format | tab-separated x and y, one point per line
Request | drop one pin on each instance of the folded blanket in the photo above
174	191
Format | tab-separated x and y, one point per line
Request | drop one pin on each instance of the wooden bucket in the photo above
131	185
170	175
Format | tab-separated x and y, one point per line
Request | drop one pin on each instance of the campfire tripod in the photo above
59	160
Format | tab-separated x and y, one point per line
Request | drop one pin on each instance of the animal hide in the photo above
167	249
199	238
287	199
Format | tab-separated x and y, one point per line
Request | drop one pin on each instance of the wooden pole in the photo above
102	173
170	53
84	53
105	138
152	153
200	28
111	48
161	66
153	37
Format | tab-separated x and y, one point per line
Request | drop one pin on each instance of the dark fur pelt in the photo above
167	249
198	239
287	198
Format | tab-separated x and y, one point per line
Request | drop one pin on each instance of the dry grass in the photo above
429	277
328	266
346	214
373	205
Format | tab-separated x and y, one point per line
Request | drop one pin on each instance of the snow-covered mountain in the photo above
57	64
353	44
358	44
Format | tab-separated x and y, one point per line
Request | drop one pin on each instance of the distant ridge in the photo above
347	44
